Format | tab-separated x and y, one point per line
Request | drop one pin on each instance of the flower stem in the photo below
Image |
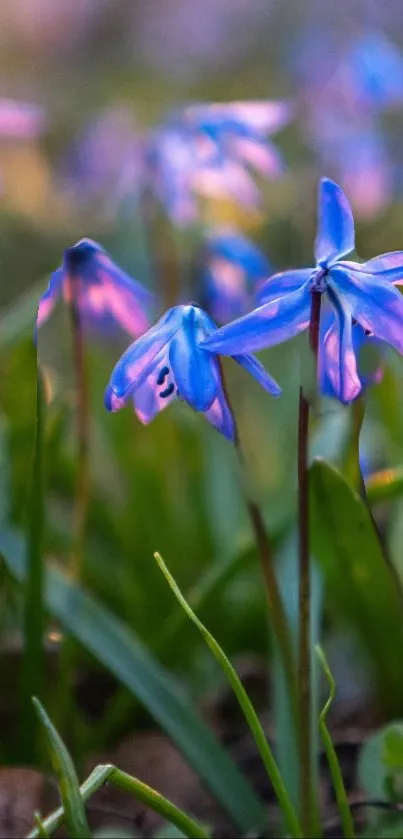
304	652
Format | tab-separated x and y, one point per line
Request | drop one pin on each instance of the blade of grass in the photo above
124	655
142	792
245	704
63	766
332	759
33	617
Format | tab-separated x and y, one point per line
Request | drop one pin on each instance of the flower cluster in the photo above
232	269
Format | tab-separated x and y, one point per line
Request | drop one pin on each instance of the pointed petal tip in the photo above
113	402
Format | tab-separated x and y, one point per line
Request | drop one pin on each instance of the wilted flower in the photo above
356	292
167	363
105	296
232	268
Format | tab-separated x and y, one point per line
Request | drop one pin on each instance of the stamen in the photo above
368	332
168	391
162	375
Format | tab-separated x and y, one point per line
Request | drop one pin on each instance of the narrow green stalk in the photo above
33	614
332	759
246	706
108	773
307	803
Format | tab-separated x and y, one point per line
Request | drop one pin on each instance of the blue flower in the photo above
167	363
105	296
233	267
206	149
356	292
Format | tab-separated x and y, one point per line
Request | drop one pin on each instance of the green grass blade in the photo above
142	792
62	763
41	829
124	655
332	759
245	704
33	617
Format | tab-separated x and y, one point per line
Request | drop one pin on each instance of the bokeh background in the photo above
103	73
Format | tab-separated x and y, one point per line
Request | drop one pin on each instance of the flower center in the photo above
318	280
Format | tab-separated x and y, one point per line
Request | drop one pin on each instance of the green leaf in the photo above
245	704
62	763
359	584
32	666
123	654
380	765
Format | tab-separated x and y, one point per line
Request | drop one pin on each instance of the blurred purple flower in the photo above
211	150
356	292
167	363
20	120
105	296
359	80
232	267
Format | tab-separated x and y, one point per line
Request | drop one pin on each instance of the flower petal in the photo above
282	283
49	299
263	116
253	366
147	399
270	324
388	266
335	236
373	302
219	415
196	372
338	375
136	363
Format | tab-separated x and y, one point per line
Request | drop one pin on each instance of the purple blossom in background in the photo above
20	120
92	167
167	363
208	150
355	292
105	296
342	108
233	266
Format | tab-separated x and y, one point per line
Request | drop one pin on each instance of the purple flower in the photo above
168	363
356	292
233	267
105	296
209	149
